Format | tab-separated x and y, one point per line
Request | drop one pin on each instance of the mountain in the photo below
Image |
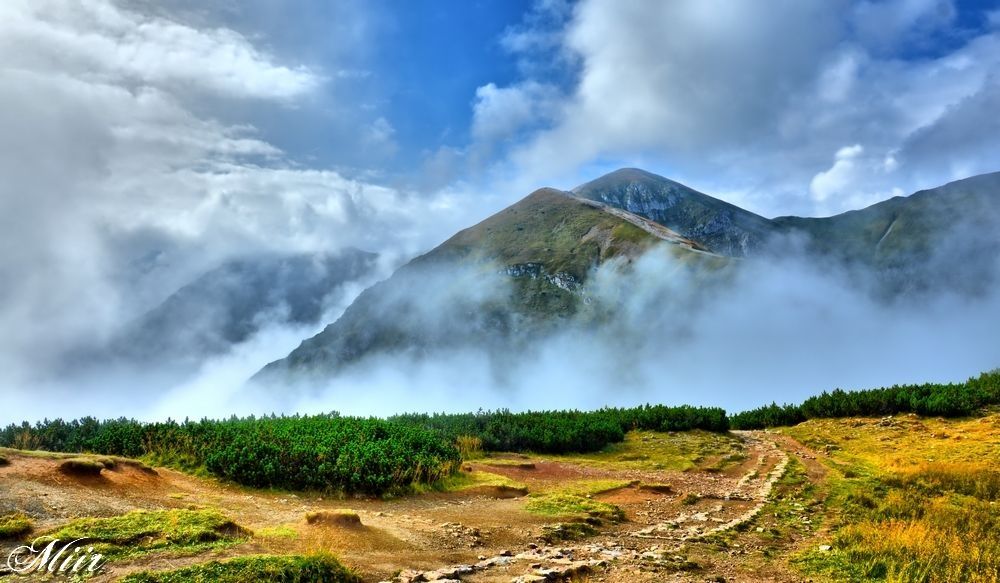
228	304
496	284
721	227
525	271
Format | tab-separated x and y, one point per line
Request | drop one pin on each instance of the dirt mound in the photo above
347	518
83	467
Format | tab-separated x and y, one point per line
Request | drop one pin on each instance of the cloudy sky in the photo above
143	141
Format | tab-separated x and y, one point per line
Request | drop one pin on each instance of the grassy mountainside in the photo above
516	274
719	226
940	234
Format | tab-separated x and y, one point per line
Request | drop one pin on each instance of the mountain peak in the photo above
717	225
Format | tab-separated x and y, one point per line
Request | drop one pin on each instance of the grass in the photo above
275	569
108	462
140	532
573	506
277	532
14	526
41	454
587	488
650	450
910	499
470	447
467	480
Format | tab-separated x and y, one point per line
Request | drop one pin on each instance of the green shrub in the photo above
937	400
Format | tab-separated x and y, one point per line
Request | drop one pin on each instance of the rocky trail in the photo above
657	539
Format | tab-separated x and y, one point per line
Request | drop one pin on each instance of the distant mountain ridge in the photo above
229	303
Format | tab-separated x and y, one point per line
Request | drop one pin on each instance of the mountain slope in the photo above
721	227
516	274
961	216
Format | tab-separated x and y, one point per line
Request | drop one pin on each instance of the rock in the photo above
825	548
411	576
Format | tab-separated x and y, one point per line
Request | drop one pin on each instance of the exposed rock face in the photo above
719	226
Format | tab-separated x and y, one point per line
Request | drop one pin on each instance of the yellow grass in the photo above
912	499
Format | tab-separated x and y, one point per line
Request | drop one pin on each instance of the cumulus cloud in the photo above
101	42
499	113
733	98
839	176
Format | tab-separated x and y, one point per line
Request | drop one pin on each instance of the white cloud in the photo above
501	112
734	98
838	177
98	41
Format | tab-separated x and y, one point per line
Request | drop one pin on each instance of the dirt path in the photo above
474	536
663	532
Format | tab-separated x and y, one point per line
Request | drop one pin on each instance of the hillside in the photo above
516	274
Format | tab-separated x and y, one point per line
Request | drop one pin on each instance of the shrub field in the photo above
936	400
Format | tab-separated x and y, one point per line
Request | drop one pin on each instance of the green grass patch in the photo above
588	488
14	526
274	569
467	480
652	450
570	505
140	532
277	532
